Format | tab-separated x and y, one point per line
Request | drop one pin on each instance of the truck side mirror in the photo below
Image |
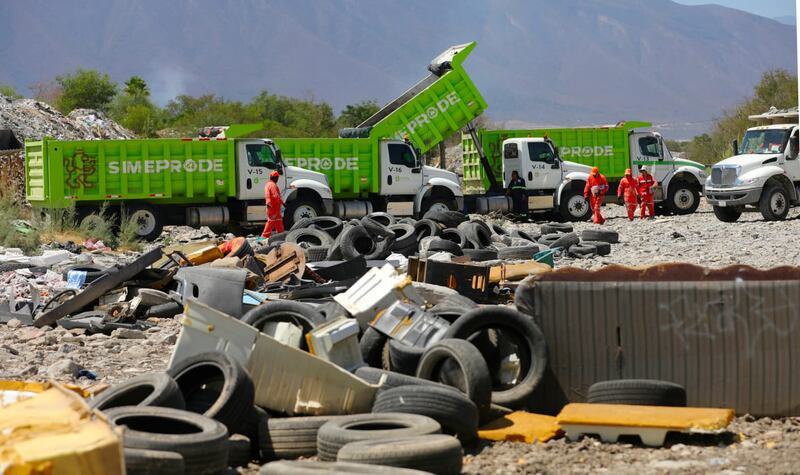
735	147
794	145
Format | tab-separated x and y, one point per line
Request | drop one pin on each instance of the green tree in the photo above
354	114
136	86
9	91
85	88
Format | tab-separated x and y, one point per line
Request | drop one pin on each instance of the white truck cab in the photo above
764	173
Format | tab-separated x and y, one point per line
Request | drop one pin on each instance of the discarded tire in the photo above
292	437
239	451
404	236
330	224
563	241
376	228
477	234
335	434
582	250
603	248
371	345
518	252
217	386
277	238
520	329
532	237
601	235
317	253
152	389
93	272
499	230
451	355
309	467
392	379
407	220
383	248
357	242
404	358
437	453
426	228
299	313
164	310
456	236
443	245
643	392
452	409
445	218
551	228
301	223
152	462
308	237
201	441
481	255
383	218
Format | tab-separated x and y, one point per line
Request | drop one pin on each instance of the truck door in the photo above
401	171
542	170
647	150
256	161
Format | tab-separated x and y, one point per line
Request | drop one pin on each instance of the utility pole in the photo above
443	154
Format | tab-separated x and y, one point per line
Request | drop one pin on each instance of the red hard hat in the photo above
275	174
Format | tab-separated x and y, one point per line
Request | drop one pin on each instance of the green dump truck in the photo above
198	182
377	166
555	163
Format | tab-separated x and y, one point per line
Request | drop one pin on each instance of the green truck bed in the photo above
59	173
605	147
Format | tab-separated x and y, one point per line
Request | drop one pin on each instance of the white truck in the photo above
763	173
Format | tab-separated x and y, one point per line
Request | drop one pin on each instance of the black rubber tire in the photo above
239	451
518	252
309	237
474	323
642	392
300	224
317	253
444	218
407	251
498	230
292	437
150	389
481	255
451	409
293	205
443	245
407	220
154	213
330	224
201	441
404	358
164	310
217	386
453	355
371	345
308	467
728	214
601	235
152	462
383	218
404	236
355	242
383	247
603	248
255	429
275	238
375	228
477	234
764	203
437	453
455	235
426	227
582	250
566	241
553	228
532	237
301	314
335	434
392	379
93	272
674	188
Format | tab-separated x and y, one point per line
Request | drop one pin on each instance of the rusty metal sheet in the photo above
732	343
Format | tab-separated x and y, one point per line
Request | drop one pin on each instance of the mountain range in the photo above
538	62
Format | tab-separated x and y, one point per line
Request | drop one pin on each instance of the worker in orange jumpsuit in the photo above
627	190
645	185
272	195
596	188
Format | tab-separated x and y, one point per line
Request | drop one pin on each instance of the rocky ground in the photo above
752	446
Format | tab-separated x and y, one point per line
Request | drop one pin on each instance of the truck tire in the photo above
426	228
641	392
573	206
300	208
149	223
455	235
683	198
436	453
774	203
727	215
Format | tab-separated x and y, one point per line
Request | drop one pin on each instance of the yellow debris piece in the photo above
521	426
56	433
672	418
13	391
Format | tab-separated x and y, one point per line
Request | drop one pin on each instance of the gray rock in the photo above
128	334
14	323
63	368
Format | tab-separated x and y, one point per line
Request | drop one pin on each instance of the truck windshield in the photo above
540	152
400	154
649	147
764	141
260	155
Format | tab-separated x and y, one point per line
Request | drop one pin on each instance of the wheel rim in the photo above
145	222
304	211
777	203
577	206
684	199
438	206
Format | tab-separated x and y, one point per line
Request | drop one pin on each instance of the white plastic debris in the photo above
377	290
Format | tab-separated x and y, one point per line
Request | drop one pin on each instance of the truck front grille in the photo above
723	176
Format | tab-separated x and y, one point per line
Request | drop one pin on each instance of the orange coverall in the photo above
596	200
627	188
646	183
272	195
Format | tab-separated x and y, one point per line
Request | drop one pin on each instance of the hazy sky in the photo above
767	8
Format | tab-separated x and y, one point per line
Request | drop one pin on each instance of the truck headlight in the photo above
748	181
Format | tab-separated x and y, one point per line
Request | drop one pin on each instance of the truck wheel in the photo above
299	209
437	204
574	207
727	215
774	203
148	222
683	198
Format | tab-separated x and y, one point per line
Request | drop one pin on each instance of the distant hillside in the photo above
537	61
786	20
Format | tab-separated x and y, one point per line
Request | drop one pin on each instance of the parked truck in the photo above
555	163
764	173
377	165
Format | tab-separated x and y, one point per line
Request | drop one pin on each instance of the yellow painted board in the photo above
521	426
672	418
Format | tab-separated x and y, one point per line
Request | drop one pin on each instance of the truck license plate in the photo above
722	204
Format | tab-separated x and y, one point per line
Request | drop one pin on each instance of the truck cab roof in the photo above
773	127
